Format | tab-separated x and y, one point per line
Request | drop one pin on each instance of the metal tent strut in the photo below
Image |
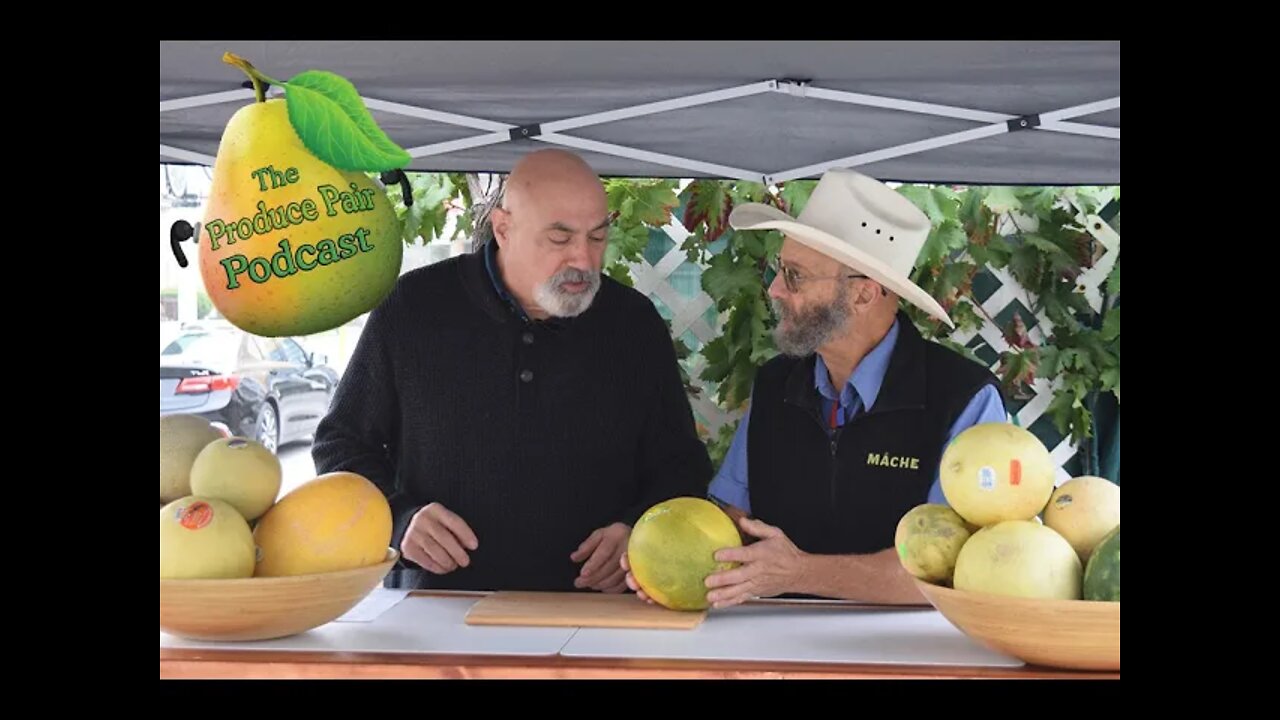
554	132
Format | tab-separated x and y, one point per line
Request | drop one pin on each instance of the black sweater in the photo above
535	433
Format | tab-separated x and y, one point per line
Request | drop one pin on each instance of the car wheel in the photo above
269	428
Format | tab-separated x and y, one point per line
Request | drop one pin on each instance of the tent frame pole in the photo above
553	132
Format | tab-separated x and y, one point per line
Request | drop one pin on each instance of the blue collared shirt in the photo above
861	391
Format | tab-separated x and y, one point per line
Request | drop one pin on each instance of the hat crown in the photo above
868	216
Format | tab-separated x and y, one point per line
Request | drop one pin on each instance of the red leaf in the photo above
1016	334
1019	385
703	198
720	227
692	217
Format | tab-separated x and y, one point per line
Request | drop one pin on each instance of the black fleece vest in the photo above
843	492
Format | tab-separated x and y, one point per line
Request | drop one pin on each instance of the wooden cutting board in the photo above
569	609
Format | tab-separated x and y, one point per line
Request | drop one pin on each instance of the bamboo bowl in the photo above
1070	634
263	608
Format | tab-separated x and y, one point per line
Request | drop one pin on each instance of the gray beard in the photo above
562	303
803	333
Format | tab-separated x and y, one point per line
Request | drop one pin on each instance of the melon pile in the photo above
221	515
1006	529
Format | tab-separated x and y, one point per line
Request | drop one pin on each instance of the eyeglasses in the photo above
793	278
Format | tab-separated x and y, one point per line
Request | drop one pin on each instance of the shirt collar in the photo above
491	264
867	377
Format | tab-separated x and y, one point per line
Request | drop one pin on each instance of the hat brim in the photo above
758	216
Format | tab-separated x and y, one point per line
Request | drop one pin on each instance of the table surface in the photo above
425	636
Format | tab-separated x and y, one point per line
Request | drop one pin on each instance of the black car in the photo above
268	389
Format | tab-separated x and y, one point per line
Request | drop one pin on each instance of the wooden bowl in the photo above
262	608
1071	634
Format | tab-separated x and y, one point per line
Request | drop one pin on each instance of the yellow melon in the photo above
994	472
1083	510
337	521
240	471
182	437
203	538
928	539
672	550
1019	558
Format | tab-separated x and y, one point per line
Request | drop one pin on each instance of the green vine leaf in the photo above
725	279
795	195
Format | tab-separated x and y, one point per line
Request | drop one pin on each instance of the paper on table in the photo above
373	605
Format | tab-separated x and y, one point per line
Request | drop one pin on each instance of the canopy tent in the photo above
1007	113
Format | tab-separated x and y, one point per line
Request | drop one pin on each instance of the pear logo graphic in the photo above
297	238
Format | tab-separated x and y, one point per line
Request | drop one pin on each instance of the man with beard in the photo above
519	410
847	426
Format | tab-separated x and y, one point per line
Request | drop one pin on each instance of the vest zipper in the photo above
835	467
833	438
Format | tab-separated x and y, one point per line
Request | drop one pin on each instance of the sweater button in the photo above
526	375
527	338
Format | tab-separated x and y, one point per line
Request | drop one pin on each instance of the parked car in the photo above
268	389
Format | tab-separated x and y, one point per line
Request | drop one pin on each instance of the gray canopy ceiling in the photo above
948	112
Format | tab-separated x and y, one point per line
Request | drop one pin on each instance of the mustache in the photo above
574	275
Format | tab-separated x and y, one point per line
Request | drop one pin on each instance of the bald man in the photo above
519	409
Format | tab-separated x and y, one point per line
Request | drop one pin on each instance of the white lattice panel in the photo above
1090	282
687	314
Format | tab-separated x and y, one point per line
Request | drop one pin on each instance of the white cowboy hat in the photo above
860	222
